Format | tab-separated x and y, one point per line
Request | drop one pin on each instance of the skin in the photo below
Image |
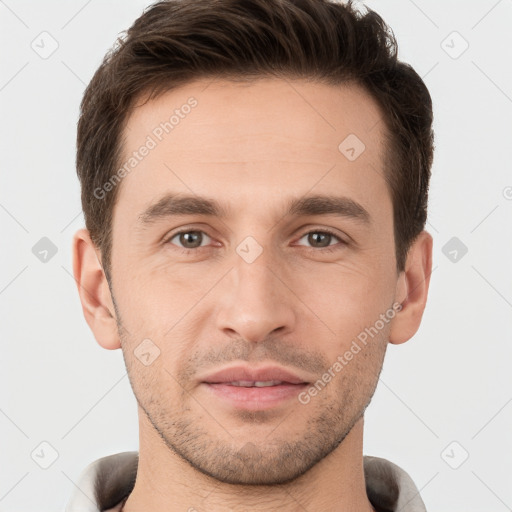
253	147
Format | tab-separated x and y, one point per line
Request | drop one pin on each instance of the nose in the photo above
256	300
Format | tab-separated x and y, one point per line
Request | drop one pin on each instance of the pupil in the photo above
313	239
187	239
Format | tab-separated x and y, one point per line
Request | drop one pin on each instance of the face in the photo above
254	239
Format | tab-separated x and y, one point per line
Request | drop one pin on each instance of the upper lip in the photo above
246	373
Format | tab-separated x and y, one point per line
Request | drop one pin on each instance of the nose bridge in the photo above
256	278
257	302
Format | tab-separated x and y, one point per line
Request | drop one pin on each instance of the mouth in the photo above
247	376
253	389
256	384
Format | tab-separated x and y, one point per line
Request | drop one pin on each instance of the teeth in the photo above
257	384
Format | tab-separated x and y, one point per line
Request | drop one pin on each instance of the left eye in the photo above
190	239
320	239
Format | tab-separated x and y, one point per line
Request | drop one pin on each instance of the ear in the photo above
94	291
412	289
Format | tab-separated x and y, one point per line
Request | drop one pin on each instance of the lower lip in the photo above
255	398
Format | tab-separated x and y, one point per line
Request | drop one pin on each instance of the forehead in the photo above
291	110
253	139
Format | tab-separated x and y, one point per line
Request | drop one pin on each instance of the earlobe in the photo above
94	291
412	289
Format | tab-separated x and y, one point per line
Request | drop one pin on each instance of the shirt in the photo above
106	483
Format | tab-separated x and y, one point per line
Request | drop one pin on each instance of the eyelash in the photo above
325	231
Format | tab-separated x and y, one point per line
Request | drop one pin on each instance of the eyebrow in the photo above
178	204
328	205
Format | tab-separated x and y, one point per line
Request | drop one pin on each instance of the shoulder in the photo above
390	487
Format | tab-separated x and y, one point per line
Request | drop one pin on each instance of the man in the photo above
254	180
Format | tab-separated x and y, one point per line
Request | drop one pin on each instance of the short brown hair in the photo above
177	41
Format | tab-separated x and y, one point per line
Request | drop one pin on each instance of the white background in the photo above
451	382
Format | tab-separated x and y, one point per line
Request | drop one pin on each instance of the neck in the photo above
167	483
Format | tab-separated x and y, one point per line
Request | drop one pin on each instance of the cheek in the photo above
153	386
345	298
153	298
